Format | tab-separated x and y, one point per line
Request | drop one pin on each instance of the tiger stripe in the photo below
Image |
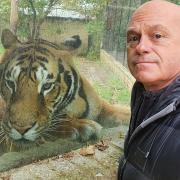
45	94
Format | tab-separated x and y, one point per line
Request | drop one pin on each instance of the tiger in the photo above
46	96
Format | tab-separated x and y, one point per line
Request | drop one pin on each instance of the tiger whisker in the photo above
55	129
1	131
2	134
58	119
64	120
59	130
58	125
46	134
59	116
2	139
59	122
10	147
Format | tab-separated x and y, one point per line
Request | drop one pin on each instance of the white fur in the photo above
41	75
14	75
14	134
31	134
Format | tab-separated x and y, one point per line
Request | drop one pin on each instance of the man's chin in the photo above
146	80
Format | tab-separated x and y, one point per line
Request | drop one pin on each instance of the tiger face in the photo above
38	81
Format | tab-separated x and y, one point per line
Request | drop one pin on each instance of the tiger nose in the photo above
23	129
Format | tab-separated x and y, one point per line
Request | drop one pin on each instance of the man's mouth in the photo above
143	62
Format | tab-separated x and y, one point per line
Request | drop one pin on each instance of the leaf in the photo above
68	155
90	150
101	146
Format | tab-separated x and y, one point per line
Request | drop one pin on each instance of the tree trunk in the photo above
14	16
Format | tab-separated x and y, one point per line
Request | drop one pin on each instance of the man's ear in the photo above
8	39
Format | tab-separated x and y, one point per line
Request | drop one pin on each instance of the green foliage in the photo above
176	2
5	9
93	9
1	49
93	53
23	30
95	26
38	4
115	92
4	13
59	30
95	29
26	16
106	82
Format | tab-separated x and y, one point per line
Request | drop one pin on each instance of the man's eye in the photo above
133	39
158	36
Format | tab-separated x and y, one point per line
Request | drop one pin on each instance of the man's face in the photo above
153	42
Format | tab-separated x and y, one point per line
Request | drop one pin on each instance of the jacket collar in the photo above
169	101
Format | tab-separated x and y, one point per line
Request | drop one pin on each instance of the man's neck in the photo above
158	86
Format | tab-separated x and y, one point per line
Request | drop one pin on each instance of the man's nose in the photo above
144	45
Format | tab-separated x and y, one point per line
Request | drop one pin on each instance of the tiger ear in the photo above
8	39
71	43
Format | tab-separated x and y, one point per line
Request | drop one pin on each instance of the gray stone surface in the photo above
71	166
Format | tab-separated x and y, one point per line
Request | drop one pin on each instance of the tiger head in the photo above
37	80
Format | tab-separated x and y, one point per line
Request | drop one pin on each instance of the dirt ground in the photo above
94	71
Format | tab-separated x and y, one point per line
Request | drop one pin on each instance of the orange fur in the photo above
28	110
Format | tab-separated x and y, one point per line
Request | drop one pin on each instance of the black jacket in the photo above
152	145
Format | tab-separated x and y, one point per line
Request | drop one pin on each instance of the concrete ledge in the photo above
118	69
101	165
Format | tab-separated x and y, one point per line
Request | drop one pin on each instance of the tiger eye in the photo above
47	86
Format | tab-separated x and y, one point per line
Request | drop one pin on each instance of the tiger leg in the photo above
79	129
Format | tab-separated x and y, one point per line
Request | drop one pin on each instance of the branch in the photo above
48	10
34	18
50	5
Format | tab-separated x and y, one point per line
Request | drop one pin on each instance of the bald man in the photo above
152	145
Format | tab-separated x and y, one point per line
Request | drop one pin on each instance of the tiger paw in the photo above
87	130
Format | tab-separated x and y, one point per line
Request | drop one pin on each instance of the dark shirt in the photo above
152	146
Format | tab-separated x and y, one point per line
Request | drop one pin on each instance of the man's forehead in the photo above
145	17
156	10
149	27
158	19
